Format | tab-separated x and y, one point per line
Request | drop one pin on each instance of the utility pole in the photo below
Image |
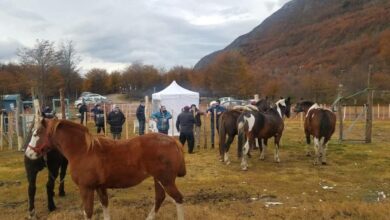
370	94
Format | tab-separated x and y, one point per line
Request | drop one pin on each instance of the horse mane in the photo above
90	140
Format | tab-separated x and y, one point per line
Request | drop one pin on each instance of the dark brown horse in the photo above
228	127
263	125
98	163
321	124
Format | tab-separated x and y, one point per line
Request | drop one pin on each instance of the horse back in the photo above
320	123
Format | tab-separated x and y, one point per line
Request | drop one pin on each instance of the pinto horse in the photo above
55	163
263	125
228	127
321	124
98	163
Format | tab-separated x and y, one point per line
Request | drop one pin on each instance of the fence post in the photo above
18	129
173	125
127	123
62	103
340	113
1	130
204	127
147	114
214	127
105	119
370	95
389	111
10	131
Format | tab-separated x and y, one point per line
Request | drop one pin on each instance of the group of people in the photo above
188	122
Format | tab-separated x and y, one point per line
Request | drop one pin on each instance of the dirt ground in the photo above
354	185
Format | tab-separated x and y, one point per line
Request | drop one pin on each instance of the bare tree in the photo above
39	59
68	61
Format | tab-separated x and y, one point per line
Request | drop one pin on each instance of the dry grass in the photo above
212	190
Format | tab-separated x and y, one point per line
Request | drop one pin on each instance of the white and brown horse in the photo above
320	123
263	125
99	163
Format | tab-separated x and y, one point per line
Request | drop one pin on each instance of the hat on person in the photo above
186	108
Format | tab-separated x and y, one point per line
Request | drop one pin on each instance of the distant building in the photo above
10	102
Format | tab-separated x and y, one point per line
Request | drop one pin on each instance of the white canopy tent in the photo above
174	98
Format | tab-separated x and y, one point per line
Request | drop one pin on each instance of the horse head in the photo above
283	106
40	140
303	106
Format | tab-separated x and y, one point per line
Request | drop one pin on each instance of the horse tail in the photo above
325	125
182	171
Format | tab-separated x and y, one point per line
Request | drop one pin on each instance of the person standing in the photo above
198	123
116	119
99	119
185	125
218	109
83	111
162	118
141	117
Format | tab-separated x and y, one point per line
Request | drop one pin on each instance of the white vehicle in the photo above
90	99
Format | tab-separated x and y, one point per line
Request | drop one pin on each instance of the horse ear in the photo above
288	98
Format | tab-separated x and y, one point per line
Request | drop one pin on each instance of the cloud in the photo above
116	33
8	49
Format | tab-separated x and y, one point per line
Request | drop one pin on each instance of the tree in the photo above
67	61
97	80
39	60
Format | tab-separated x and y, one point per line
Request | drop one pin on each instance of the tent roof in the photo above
175	89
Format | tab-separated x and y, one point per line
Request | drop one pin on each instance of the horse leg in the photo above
64	166
316	149
32	179
324	148
277	141
244	159
159	198
52	176
240	142
307	144
226	149
103	197
87	198
173	192
263	148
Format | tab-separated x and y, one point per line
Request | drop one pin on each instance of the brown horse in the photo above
228	127
263	125
320	123
98	163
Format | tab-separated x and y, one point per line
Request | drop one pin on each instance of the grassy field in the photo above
351	186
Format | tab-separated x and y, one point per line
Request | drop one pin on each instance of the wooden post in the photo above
389	111
340	113
369	107
344	112
147	114
214	127
105	119
127	123
62	103
378	115
18	128
1	130
204	128
173	125
10	131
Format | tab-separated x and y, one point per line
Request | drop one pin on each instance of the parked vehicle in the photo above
232	103
90	98
225	99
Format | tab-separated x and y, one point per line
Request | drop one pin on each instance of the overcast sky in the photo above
113	34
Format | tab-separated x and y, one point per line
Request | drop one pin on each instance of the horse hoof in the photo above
61	193
324	163
308	154
52	208
244	169
227	162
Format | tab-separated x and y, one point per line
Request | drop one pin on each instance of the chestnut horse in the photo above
98	163
321	124
228	127
263	125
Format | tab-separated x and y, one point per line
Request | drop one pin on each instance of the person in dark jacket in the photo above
83	111
218	109
141	117
116	119
99	118
48	113
185	125
198	123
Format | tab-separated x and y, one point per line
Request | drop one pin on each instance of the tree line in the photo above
48	67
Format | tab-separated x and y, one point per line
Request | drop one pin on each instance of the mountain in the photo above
334	35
